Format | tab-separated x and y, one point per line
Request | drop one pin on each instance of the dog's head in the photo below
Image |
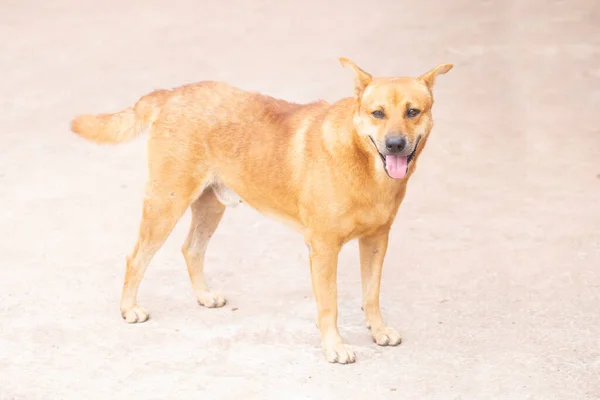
394	114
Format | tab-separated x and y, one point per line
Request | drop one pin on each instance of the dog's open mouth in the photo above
396	166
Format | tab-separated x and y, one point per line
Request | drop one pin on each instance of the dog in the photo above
334	172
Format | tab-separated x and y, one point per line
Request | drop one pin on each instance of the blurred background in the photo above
493	271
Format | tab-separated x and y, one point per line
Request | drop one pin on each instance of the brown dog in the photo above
335	172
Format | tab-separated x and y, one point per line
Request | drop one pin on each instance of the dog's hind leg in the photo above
174	183
206	215
160	214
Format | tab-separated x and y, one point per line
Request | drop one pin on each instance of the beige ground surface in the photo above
493	273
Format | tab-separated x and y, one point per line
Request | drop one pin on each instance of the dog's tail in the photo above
124	125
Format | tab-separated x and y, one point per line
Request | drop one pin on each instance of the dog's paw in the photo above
212	300
339	353
386	337
134	315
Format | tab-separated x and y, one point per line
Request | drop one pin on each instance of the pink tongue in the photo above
396	166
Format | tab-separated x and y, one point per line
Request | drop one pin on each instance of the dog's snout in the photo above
395	144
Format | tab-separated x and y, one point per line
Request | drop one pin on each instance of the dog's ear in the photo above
429	77
361	78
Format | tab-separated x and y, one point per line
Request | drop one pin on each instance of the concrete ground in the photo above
493	271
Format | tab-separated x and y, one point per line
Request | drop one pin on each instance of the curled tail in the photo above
124	125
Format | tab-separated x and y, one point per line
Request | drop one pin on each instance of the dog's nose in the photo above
395	144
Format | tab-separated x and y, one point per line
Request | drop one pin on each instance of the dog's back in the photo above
250	143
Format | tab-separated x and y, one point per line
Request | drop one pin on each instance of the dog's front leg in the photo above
372	252
323	270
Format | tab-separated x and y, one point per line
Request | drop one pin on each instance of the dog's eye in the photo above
412	112
378	114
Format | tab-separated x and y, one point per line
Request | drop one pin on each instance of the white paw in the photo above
386	337
134	315
339	353
212	300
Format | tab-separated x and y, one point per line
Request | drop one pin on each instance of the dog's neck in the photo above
339	132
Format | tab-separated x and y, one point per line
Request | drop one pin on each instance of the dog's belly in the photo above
284	219
228	197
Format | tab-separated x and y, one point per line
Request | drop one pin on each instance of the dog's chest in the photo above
368	219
